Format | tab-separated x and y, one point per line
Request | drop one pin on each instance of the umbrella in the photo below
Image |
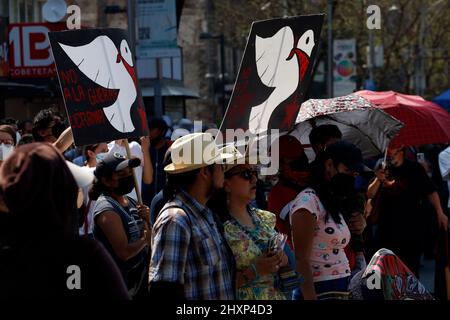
425	122
443	100
360	122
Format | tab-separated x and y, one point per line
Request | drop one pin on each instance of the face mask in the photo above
100	156
5	151
126	185
344	195
342	185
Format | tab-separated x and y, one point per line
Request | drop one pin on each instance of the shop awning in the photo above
170	90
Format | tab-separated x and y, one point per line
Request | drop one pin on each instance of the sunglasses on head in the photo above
246	174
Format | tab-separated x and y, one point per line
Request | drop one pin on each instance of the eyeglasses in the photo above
246	174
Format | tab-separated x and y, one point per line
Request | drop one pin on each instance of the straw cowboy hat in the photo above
251	155
197	150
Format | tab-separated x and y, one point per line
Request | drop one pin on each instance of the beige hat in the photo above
251	156
197	150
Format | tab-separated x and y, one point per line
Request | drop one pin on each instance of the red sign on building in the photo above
30	55
3	47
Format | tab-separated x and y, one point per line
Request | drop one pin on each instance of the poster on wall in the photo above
29	50
344	72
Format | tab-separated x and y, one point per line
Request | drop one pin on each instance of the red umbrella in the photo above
425	122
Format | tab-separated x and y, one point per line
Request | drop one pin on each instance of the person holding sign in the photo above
117	219
144	172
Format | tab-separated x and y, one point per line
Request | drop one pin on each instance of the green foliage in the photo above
399	34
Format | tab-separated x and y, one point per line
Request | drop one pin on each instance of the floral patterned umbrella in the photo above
359	120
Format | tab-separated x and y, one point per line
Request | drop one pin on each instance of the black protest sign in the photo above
99	85
274	74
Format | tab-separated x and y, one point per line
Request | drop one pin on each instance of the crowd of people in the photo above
149	227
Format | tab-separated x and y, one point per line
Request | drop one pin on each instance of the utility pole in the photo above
371	56
222	70
157	88
330	49
131	13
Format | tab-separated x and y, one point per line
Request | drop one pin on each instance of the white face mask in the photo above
5	151
101	156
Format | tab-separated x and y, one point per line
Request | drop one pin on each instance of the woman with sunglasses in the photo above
248	231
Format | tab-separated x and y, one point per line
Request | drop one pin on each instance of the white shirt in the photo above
444	166
136	151
90	213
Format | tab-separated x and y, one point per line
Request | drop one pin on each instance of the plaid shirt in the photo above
188	248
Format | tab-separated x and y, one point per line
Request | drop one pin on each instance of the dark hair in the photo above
41	121
26	139
321	186
323	133
90	147
158	123
22	124
218	204
181	181
9	130
10	121
96	190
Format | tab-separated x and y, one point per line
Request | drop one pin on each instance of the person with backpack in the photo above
190	256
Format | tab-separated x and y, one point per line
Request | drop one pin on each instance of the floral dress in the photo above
245	250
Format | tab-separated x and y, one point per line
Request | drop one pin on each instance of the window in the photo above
4	8
26	10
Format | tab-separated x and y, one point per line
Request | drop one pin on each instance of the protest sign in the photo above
99	85
274	74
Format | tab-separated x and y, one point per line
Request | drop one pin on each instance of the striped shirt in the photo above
188	247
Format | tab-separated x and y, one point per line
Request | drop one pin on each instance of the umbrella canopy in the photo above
425	122
360	122
443	100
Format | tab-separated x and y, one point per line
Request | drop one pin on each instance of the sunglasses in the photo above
246	174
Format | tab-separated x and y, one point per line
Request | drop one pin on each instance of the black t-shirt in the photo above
401	214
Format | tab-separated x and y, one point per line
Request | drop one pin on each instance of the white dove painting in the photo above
274	74
277	69
110	68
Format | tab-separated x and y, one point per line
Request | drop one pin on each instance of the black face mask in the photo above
342	184
342	188
126	185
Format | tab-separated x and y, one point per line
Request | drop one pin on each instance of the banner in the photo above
344	72
29	50
99	85
274	74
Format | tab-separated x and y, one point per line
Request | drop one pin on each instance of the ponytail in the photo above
96	190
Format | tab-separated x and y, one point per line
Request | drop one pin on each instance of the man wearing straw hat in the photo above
190	257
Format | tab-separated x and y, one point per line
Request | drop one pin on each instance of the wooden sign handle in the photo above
136	185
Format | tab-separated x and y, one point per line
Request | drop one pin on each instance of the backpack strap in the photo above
178	205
